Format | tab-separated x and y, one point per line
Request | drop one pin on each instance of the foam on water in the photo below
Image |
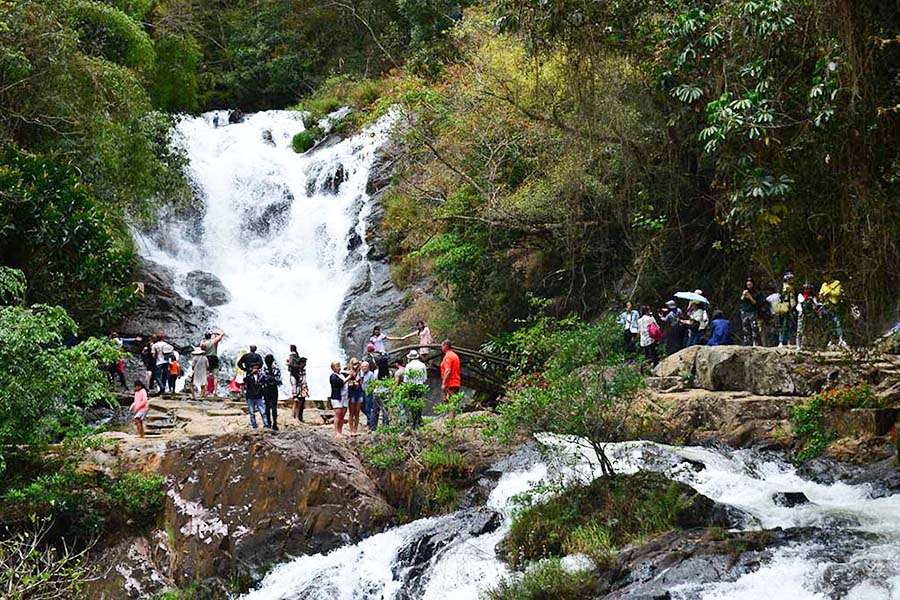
269	230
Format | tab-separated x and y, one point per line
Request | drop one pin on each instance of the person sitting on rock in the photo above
720	330
255	392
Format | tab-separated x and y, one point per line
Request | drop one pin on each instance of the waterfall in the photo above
743	479
274	226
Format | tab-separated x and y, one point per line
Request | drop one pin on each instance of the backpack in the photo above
654	332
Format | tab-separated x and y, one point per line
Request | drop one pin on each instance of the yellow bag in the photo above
782	308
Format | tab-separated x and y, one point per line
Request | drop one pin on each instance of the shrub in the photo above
598	518
385	453
547	580
108	32
306	139
138	497
809	419
578	391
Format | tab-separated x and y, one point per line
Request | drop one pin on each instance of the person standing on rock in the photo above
139	407
697	321
296	365
750	304
271	381
674	328
416	374
425	337
149	365
786	310
646	325
628	321
378	339
162	352
174	371
355	394
255	392
807	307
830	297
368	384
210	345
339	399
199	370
249	359
451	373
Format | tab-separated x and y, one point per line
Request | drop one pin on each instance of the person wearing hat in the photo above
697	321
673	328
200	369
416	373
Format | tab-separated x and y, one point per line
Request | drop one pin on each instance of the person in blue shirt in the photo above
720	330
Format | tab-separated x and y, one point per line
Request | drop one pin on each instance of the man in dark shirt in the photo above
750	304
247	361
254	387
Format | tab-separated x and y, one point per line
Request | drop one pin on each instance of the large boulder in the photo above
207	287
162	309
239	501
762	371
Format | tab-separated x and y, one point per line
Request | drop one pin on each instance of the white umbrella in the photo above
692	297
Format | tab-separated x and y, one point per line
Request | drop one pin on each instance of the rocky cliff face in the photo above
163	309
236	503
373	299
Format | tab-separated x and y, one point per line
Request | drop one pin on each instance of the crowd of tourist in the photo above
354	389
780	316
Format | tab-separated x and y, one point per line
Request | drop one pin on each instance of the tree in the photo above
572	382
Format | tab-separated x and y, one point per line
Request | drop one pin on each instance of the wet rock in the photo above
161	309
790	499
235	116
882	476
207	287
415	558
267	137
266	220
331	184
354	240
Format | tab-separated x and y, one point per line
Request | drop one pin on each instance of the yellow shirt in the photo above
830	292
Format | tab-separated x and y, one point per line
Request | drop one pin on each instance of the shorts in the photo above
340	403
356	396
140	416
213	362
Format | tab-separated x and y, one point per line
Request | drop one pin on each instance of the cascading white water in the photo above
272	227
743	479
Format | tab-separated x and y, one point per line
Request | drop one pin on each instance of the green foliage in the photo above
105	31
598	518
809	419
567	385
306	139
33	566
386	452
62	237
138	497
12	286
401	399
546	580
438	458
43	380
176	82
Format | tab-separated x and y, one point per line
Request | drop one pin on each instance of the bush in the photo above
809	419
598	518
108	32
138	497
547	580
306	139
569	382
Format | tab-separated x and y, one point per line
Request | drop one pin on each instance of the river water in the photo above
743	479
274	227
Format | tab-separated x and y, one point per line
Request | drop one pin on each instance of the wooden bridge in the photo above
480	371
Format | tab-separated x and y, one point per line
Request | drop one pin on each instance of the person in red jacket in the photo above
450	371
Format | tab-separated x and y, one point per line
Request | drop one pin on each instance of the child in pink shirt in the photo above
140	406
